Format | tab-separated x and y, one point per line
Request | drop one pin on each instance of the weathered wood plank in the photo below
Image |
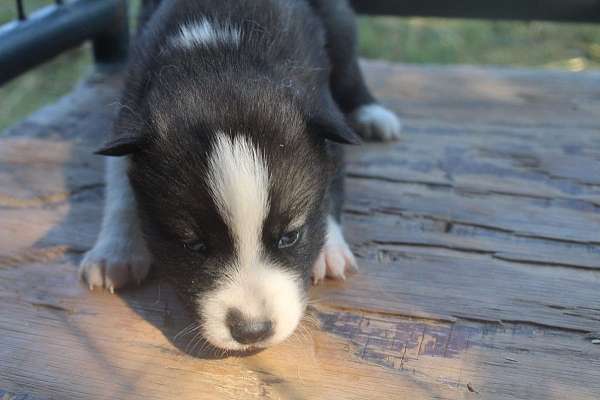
478	238
69	343
490	161
430	231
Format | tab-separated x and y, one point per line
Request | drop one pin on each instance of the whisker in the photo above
313	301
294	338
183	330
203	347
311	321
189	329
306	334
197	340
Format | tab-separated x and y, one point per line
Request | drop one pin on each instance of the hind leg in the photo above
370	119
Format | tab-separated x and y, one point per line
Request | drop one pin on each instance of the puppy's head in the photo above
232	195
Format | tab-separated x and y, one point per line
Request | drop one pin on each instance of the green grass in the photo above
442	41
43	85
411	40
22	96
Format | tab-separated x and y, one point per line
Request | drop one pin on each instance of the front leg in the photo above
120	254
336	258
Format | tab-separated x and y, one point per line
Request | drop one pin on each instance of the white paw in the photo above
375	122
336	258
114	262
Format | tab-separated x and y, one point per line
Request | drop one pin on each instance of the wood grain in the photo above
478	236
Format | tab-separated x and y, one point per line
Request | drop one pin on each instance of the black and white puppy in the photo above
225	160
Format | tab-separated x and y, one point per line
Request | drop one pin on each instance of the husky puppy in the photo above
224	162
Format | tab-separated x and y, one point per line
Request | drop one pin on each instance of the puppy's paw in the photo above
377	123
114	262
336	258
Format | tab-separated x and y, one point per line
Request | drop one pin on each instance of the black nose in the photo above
245	330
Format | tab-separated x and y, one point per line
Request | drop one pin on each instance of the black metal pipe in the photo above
21	11
549	10
54	29
112	44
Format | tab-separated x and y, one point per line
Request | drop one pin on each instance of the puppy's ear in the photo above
328	122
332	126
121	146
126	137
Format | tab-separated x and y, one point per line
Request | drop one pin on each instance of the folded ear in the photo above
126	137
121	146
333	127
328	122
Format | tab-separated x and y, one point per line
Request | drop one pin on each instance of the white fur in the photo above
239	181
205	33
376	122
120	254
336	258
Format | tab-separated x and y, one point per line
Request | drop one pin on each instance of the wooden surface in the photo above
478	237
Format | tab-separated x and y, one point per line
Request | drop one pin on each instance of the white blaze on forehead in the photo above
206	33
239	181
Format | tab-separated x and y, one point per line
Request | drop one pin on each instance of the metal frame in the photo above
31	40
549	10
53	29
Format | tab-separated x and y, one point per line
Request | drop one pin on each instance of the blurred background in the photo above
572	47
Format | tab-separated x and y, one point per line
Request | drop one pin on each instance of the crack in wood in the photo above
383	313
414	215
502	256
474	190
539	325
54	307
433	246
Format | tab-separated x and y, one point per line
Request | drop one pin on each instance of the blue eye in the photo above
196	246
288	240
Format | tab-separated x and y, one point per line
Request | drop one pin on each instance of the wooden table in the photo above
478	237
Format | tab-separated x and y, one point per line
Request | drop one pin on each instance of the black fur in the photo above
288	87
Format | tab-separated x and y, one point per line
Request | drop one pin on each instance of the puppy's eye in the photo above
288	240
196	246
